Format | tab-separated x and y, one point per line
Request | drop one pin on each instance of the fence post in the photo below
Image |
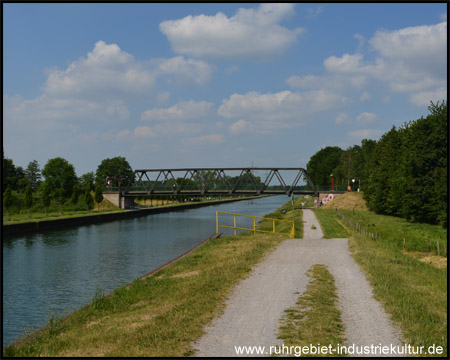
217	222
403	244
273	221
254	226
234	225
437	244
377	235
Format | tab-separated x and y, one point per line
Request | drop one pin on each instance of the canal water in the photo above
58	272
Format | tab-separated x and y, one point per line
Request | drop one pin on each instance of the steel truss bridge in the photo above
218	181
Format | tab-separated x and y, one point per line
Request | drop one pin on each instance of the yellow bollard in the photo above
254	226
234	225
217	222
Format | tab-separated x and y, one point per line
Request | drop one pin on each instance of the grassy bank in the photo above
315	318
159	315
412	291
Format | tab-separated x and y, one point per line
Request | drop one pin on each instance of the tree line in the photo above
60	182
402	174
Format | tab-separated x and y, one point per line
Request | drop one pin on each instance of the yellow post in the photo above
217	222
234	225
254	225
273	221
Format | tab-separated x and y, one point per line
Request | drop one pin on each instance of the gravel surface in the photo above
254	307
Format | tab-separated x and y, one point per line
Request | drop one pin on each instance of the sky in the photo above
214	85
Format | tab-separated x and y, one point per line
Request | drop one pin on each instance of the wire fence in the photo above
376	236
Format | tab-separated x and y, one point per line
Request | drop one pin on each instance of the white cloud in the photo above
273	111
144	132
342	118
366	134
364	96
106	72
196	71
423	98
251	33
241	126
412	59
366	118
183	111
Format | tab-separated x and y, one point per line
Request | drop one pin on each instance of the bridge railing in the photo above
255	229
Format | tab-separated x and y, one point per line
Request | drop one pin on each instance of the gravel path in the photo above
252	312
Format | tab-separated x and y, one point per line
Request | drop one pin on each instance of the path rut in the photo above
254	307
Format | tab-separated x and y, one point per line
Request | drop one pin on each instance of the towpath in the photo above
254	307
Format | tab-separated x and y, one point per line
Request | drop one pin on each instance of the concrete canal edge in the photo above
45	225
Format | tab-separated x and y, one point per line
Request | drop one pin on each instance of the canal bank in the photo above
38	226
158	315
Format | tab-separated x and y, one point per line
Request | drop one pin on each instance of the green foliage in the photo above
88	199
98	194
28	197
7	198
75	194
46	199
88	180
118	167
322	164
59	173
408	170
33	174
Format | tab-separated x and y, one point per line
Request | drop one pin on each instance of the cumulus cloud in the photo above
272	111
182	111
241	127
196	71
364	96
412	59
342	118
250	33
423	98
366	118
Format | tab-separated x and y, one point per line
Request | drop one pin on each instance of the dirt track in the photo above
252	312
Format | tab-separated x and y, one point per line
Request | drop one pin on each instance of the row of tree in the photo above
403	174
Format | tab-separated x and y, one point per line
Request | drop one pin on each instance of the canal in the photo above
58	272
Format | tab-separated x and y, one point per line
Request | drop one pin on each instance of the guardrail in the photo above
291	233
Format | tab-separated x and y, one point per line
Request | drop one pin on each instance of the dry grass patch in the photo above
347	201
428	258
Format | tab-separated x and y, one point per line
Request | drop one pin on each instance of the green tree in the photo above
46	199
118	167
322	164
28	199
59	173
33	174
61	198
88	180
98	195
75	194
88	199
7	201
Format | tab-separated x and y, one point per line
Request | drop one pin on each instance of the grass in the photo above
412	291
315	318
159	315
330	225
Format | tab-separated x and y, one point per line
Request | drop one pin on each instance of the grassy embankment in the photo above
411	289
315	318
159	315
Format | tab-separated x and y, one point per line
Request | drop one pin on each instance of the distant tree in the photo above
118	167
88	199
7	201
33	174
46	199
321	165
59	173
62	198
28	199
88	180
75	194
98	195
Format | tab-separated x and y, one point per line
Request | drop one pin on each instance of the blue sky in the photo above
213	85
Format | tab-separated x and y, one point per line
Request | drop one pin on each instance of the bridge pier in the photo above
123	202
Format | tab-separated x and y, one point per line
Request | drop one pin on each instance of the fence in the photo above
291	233
376	236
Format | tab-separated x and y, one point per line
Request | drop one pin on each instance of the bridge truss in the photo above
218	181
